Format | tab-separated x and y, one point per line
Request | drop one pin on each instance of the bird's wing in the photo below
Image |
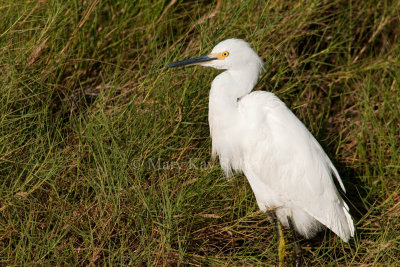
286	157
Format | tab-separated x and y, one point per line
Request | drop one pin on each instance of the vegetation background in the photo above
105	155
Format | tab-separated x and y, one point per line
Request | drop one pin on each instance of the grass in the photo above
105	156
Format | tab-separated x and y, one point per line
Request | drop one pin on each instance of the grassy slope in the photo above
104	156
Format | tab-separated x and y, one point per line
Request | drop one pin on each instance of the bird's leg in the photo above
297	247
281	242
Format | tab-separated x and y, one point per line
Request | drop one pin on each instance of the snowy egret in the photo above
255	133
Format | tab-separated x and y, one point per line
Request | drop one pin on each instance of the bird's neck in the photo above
226	90
228	87
223	113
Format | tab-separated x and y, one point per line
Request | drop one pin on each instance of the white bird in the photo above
255	133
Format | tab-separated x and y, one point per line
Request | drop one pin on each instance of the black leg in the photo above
297	247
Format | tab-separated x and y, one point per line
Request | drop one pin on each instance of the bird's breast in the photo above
227	140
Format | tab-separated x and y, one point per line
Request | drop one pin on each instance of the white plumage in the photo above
255	133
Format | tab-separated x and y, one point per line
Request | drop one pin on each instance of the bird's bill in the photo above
192	61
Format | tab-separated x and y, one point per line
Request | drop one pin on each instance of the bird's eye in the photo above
225	54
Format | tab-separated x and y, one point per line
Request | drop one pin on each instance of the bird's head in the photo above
228	54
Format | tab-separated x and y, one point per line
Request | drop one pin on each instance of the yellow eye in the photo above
225	54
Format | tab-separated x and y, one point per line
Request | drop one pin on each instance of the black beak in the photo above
191	61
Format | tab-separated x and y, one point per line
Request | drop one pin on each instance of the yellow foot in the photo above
281	245
281	251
